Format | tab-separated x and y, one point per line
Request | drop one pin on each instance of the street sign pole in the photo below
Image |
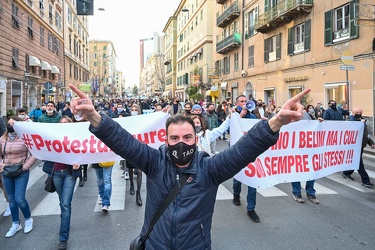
347	87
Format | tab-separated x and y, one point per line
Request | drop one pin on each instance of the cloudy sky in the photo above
125	23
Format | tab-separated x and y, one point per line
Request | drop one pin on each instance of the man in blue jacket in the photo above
186	223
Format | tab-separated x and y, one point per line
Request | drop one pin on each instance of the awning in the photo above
333	85
166	93
46	65
55	69
223	86
34	61
212	93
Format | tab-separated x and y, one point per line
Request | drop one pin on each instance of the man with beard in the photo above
186	222
176	107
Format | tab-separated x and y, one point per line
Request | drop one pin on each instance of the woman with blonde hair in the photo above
13	151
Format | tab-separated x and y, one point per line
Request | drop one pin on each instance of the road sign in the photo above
347	57
347	67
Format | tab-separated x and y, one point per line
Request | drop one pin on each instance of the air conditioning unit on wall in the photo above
244	73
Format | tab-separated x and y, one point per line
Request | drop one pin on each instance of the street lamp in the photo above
185	10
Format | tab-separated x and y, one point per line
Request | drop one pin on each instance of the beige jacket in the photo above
15	152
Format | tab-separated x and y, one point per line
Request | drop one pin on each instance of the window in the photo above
57	47
226	65
58	20
30	3
30	26
15	62
41	5
299	38
15	19
339	24
50	16
250	22
272	48
41	35
236	55
70	70
251	56
69	16
75	23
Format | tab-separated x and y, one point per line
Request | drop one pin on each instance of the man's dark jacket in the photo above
186	223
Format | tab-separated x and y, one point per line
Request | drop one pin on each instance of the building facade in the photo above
76	49
31	53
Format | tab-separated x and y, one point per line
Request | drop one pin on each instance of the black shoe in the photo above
81	182
253	216
139	200
347	176
63	245
85	177
132	189
236	200
367	184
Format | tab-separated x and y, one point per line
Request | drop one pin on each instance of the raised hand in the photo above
291	111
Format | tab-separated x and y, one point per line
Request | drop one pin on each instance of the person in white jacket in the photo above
206	136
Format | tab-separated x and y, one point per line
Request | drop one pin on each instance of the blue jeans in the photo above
64	184
251	194
16	190
361	170
103	179
296	188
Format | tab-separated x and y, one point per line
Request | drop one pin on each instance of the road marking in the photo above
319	188
271	192
223	193
357	185
35	174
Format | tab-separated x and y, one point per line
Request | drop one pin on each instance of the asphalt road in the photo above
344	219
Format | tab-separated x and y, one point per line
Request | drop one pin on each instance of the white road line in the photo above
357	184
35	174
223	193
271	192
319	188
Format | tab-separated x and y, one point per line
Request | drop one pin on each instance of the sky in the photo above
125	23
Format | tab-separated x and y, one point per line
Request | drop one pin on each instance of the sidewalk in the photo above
368	149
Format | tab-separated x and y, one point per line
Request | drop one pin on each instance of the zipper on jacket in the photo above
178	180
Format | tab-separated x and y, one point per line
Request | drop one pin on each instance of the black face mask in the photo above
211	112
357	116
198	129
37	108
43	111
260	105
181	153
188	111
10	128
333	106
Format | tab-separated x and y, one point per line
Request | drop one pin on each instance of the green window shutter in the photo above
354	30
278	46
266	48
266	5
307	44
228	64
291	41
328	35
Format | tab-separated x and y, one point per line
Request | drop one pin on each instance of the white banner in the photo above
306	150
73	142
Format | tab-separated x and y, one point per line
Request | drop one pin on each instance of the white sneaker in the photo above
7	212
100	201
13	230
126	176
28	226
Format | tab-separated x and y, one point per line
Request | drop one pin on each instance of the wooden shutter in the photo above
307	44
278	46
353	11
266	48
291	41
328	35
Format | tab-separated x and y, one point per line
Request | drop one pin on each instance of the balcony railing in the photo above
228	16
221	1
229	43
284	12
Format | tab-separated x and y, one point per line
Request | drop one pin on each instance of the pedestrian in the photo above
211	118
366	140
66	110
64	179
7	210
22	113
309	114
34	115
333	113
319	110
221	116
187	109
104	182
176	107
251	191
13	151
206	136
186	223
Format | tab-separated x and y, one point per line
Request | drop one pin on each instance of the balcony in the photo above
221	1
229	43
284	12
228	16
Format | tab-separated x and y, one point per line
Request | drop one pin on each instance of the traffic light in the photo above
85	7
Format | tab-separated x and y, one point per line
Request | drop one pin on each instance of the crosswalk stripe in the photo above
319	188
349	183
223	193
35	175
271	192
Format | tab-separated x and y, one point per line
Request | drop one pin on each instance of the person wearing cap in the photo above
319	109
198	110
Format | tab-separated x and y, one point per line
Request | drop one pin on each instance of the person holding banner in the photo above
366	140
251	192
186	222
308	114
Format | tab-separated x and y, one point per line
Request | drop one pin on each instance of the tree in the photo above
159	70
135	91
192	92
